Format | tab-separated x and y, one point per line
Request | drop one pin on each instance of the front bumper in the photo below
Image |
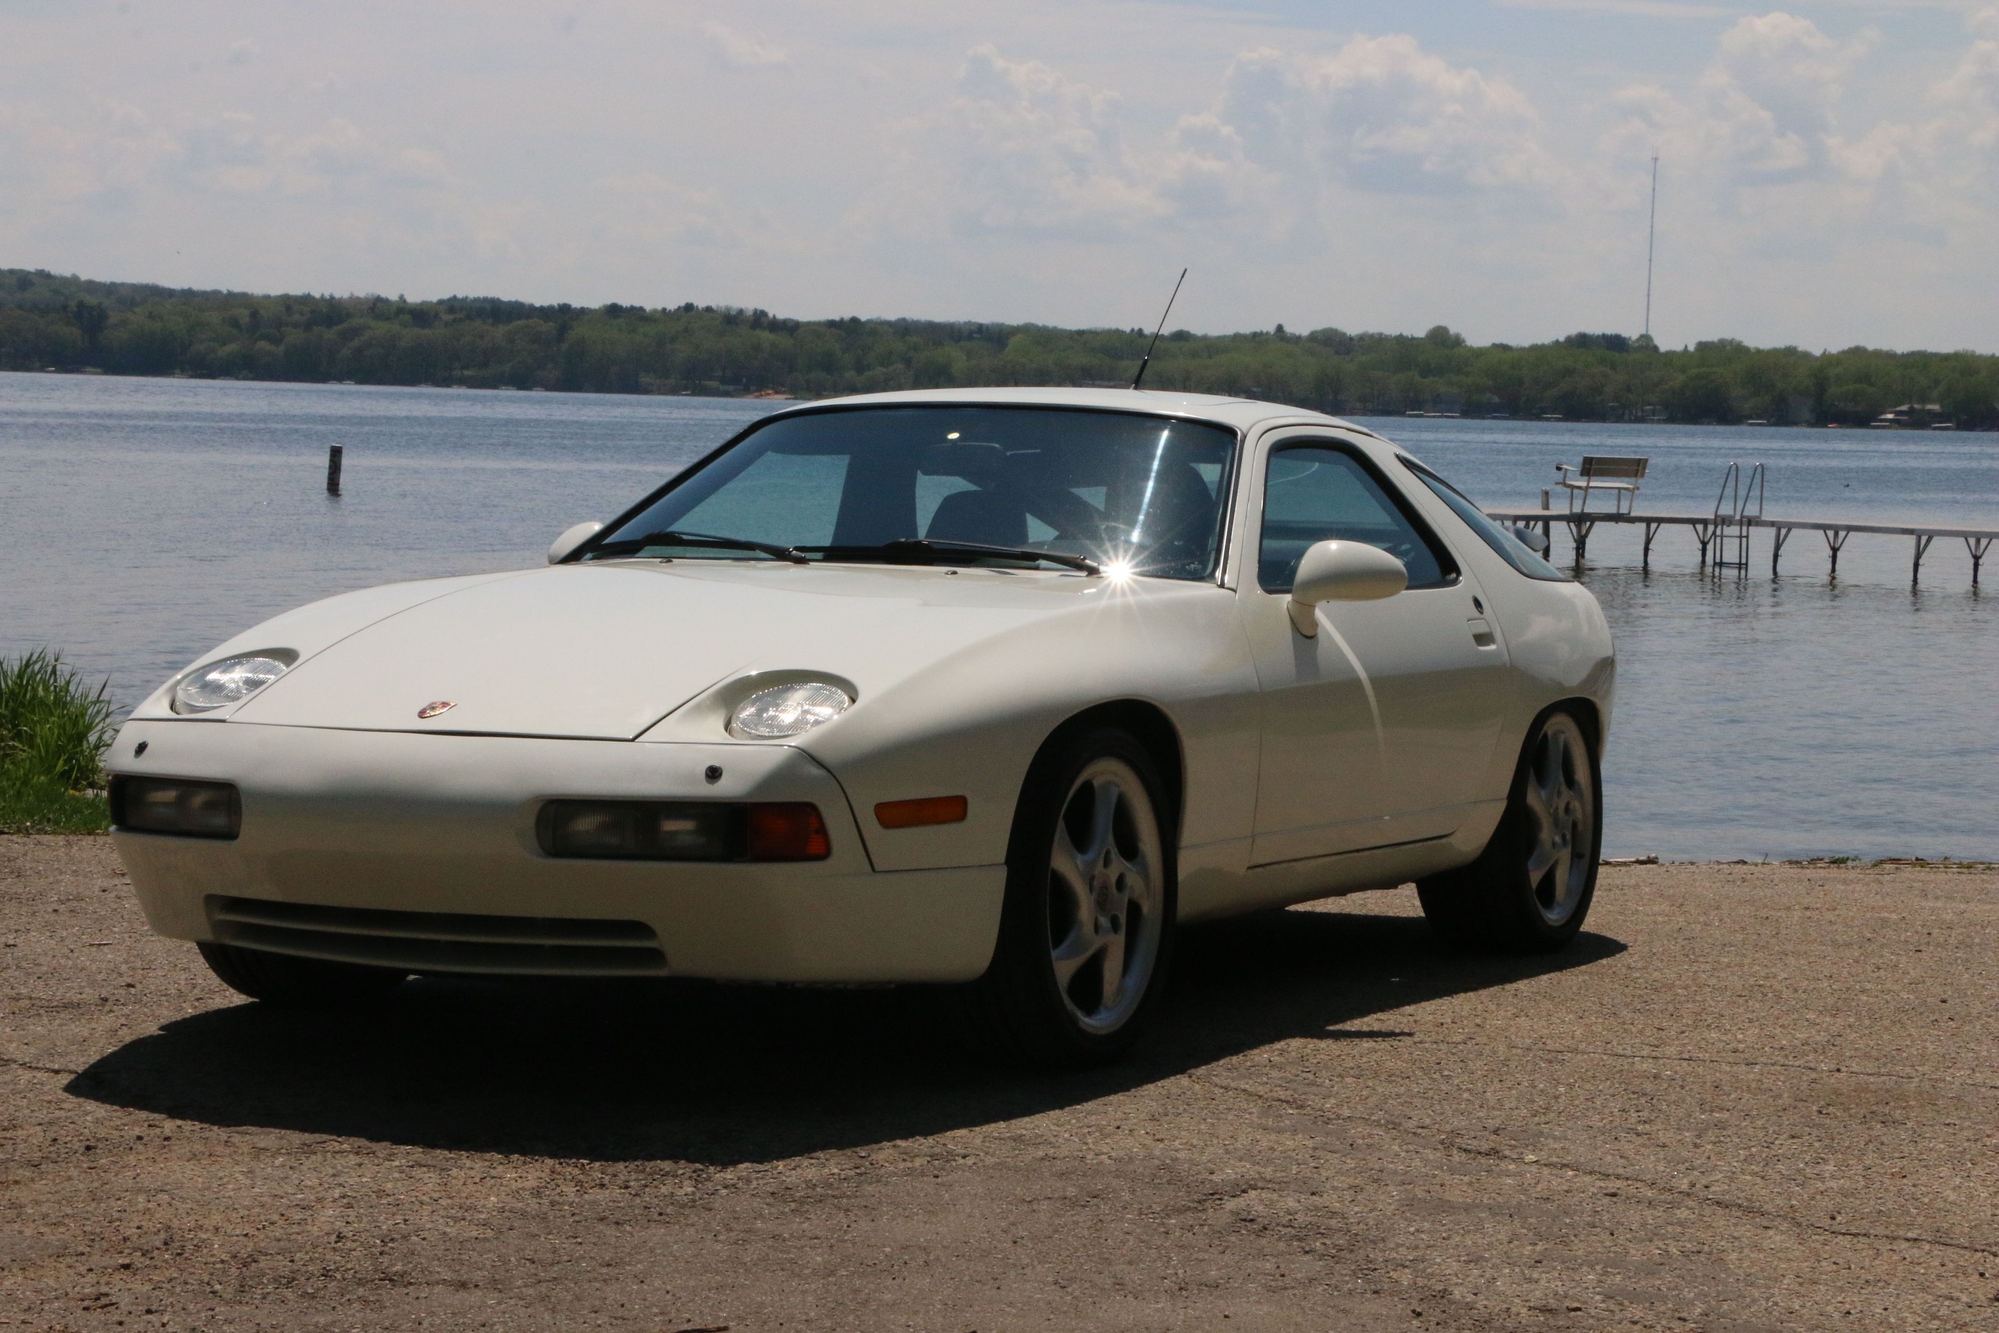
342	828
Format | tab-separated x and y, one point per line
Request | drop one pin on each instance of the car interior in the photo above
1145	491
1314	493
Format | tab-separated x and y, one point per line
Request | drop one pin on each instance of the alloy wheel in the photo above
1105	896
1561	797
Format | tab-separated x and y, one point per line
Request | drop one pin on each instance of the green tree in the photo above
1700	395
1970	398
91	317
1440	335
1856	401
49	319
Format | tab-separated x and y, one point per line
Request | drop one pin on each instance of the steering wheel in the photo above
1115	536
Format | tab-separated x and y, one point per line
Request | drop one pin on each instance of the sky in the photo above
1828	175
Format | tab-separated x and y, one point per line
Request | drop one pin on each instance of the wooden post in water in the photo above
333	470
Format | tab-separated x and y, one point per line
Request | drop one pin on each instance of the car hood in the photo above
607	650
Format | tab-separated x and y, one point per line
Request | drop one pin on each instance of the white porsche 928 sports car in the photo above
985	687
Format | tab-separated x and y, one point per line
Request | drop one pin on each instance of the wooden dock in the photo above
1709	529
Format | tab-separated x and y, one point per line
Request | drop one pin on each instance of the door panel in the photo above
1381	729
1319	782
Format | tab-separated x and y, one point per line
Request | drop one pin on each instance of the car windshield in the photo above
942	484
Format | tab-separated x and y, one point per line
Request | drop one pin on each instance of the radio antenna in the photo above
1139	378
1651	232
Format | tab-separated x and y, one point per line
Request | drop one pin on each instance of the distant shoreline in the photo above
778	396
75	325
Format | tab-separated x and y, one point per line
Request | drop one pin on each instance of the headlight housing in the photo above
230	681
788	710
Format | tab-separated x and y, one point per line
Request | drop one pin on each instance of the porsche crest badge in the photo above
431	710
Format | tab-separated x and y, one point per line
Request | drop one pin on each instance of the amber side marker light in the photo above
922	812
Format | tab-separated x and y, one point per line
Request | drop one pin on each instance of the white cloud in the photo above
1970	96
647	209
741	50
1386	115
1033	151
1949	157
96	155
233	152
1788	67
1819	183
1764	111
1658	9
1024	148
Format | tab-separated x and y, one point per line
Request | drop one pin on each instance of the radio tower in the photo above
1651	231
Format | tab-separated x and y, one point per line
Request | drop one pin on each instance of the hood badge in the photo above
431	710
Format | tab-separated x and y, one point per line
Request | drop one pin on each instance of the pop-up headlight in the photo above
230	681
788	710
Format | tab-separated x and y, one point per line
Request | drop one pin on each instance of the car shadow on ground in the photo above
727	1075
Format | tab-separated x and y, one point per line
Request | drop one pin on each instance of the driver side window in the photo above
1314	493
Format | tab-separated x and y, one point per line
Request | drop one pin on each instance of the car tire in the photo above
1086	933
296	983
1531	887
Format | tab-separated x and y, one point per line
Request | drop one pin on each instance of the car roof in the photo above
1239	413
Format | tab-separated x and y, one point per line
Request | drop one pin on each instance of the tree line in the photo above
55	322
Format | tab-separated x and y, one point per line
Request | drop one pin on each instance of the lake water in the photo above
142	521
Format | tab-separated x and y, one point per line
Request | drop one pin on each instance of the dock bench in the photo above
1605	474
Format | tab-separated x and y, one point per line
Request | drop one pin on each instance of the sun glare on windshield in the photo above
1112	492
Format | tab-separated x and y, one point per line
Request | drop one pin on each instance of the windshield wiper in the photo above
927	550
700	541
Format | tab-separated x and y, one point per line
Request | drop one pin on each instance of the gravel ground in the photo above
1751	1097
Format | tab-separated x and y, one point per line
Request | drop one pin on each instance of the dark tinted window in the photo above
1315	493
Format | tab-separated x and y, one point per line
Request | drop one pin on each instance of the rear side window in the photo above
1509	548
1314	493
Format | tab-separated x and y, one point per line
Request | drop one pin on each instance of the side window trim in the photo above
1450	574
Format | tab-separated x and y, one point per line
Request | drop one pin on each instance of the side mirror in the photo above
1532	539
1336	571
571	538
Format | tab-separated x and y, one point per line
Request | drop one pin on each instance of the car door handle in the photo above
1481	632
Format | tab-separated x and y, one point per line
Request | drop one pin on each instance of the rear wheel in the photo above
1532	886
296	983
1086	933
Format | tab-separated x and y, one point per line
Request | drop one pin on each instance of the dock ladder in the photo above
1737	506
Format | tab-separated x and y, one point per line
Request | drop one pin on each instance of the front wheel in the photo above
296	983
1086	932
1532	886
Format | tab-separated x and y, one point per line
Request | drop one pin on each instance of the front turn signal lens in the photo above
921	812
683	831
791	831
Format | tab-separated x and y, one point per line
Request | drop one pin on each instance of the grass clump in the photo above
53	730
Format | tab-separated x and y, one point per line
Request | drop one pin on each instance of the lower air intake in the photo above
441	941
